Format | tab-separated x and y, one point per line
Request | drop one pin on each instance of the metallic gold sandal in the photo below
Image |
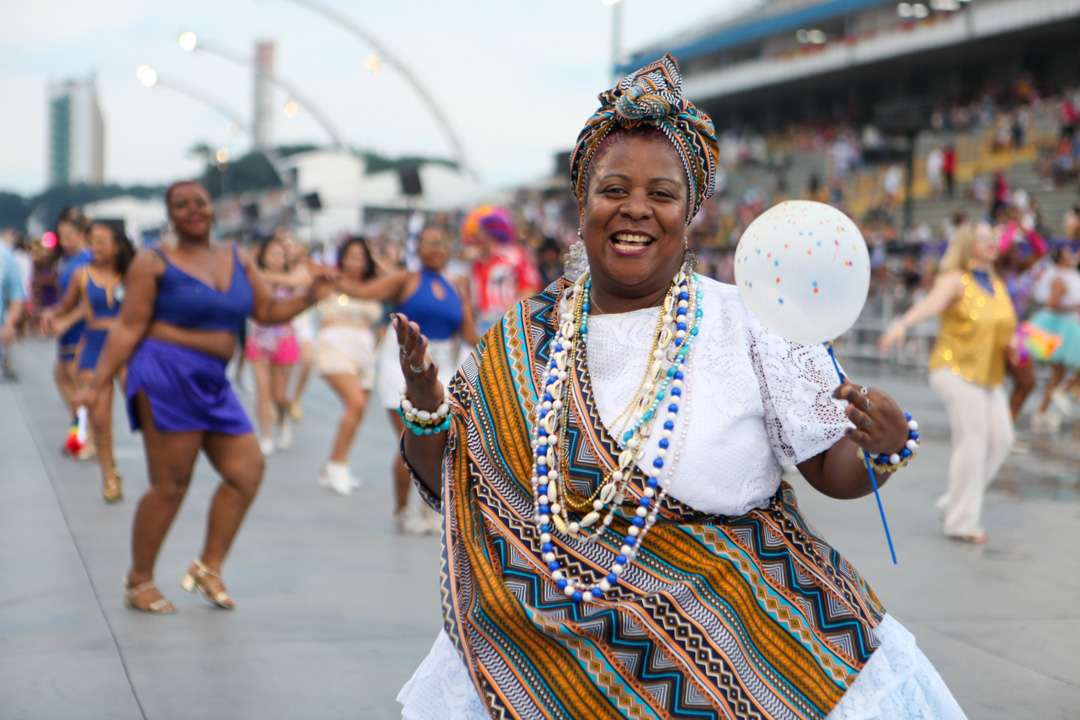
113	492
161	606
200	577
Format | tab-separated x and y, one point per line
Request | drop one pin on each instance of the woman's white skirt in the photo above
897	683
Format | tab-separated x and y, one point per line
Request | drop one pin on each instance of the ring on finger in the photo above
416	368
869	405
867	424
864	390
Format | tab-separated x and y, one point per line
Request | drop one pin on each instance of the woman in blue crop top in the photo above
72	230
176	331
445	316
98	288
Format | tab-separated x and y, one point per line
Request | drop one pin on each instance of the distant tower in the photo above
76	134
264	95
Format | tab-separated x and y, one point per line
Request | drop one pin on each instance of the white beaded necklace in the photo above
681	316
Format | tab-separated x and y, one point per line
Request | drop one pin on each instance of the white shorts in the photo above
344	350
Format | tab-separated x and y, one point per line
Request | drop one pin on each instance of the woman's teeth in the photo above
624	240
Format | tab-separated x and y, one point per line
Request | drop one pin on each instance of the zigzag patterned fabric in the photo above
652	97
754	616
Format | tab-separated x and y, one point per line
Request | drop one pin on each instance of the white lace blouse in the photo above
755	401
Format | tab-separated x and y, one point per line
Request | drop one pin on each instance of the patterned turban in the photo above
652	96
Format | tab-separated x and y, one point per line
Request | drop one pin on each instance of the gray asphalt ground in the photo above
334	610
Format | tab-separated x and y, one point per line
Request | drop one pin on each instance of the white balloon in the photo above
803	270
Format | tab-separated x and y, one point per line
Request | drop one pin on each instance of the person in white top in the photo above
1059	288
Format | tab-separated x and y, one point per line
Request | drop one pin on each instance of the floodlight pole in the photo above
304	101
413	82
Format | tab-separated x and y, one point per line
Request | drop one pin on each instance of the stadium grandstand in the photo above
815	97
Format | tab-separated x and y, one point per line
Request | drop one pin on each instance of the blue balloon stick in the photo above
869	467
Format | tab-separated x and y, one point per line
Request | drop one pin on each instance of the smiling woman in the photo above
606	554
176	332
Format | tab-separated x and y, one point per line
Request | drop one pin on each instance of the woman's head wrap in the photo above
652	97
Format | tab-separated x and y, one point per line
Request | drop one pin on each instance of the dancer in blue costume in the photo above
98	289
176	331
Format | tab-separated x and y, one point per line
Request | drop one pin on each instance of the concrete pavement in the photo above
334	611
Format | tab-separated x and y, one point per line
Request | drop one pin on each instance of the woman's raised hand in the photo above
880	424
422	384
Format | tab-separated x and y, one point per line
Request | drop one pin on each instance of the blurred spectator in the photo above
1002	193
549	261
1072	223
502	274
12	301
948	170
1068	116
20	250
891	181
935	160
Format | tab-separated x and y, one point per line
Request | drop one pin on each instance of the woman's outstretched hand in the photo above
321	280
422	384
880	424
893	336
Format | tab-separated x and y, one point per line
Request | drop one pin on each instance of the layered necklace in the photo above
657	400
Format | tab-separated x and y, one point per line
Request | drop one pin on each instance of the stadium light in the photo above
904	10
375	64
291	108
147	75
222	155
188	41
919	11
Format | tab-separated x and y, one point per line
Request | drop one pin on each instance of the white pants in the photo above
982	436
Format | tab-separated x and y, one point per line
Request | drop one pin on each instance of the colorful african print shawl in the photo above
754	616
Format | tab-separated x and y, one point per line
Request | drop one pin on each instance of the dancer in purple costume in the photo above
176	331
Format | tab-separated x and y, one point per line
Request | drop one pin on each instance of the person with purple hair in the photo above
502	273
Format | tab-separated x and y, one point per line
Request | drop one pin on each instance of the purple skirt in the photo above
187	389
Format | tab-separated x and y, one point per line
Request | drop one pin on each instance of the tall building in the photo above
76	134
264	95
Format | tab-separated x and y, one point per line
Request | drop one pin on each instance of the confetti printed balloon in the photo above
803	269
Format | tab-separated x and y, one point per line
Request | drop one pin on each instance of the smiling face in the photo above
103	246
354	261
274	258
633	221
433	249
70	237
191	211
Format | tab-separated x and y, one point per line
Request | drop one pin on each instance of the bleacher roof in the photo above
770	19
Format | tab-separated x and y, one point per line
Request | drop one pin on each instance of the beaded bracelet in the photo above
424	422
886	463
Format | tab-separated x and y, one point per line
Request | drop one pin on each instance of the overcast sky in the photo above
516	78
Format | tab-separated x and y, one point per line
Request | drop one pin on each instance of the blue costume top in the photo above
69	340
102	303
68	266
438	319
188	302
